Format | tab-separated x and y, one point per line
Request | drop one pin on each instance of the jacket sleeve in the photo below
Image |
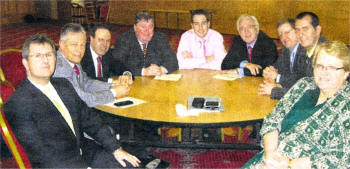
233	58
169	60
27	133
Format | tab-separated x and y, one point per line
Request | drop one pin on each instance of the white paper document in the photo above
169	77
134	100
229	77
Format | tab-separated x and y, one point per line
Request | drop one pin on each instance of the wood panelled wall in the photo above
13	11
334	14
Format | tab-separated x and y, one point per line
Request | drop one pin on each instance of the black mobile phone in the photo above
123	103
198	102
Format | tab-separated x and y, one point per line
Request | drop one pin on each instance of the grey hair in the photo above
256	23
71	28
38	39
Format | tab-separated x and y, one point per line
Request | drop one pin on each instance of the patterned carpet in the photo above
203	158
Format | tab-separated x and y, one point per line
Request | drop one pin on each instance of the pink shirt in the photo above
211	44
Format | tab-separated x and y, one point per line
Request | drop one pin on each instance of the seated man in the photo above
50	127
284	72
71	50
201	47
308	30
143	51
251	51
98	61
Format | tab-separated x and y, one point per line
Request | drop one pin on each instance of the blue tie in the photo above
292	57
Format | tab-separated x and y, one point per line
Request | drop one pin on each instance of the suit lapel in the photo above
68	101
90	62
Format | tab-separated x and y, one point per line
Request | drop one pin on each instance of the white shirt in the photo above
94	59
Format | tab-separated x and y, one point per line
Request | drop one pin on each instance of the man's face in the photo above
101	42
307	35
73	47
144	30
248	30
200	25
40	63
287	35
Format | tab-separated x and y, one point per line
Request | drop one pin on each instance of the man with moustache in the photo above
284	73
71	51
98	62
143	51
251	51
308	30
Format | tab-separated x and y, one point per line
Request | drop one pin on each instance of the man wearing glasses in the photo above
251	51
201	47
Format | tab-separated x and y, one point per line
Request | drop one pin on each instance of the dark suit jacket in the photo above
264	53
128	51
288	77
309	70
110	66
43	132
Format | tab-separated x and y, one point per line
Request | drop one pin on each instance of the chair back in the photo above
12	67
15	147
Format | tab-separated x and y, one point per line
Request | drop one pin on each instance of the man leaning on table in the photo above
50	127
71	50
285	71
201	47
251	51
143	51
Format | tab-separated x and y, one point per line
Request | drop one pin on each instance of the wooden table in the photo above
177	12
241	102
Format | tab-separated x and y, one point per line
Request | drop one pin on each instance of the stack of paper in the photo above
169	77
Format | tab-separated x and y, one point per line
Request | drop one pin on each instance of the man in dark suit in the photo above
251	51
308	30
143	51
49	118
289	65
98	62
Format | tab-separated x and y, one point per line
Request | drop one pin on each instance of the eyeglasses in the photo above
327	68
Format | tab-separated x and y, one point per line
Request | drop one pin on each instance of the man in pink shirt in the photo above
200	47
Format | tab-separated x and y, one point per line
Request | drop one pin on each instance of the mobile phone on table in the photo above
123	103
198	102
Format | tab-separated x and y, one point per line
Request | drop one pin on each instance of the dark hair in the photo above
71	27
314	18
290	21
39	39
93	29
142	16
199	12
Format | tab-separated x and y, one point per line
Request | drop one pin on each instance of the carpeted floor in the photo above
203	158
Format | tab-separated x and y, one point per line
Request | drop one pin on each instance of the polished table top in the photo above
239	97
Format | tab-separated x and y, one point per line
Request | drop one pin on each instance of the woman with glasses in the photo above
310	126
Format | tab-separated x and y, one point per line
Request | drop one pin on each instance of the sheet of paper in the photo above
226	77
134	100
169	77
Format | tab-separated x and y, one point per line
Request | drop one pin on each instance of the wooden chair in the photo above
15	147
78	14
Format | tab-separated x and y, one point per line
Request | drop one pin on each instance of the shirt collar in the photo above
70	63
311	52
251	44
39	86
295	48
93	53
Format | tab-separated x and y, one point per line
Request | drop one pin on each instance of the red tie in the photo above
99	66
76	70
250	53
